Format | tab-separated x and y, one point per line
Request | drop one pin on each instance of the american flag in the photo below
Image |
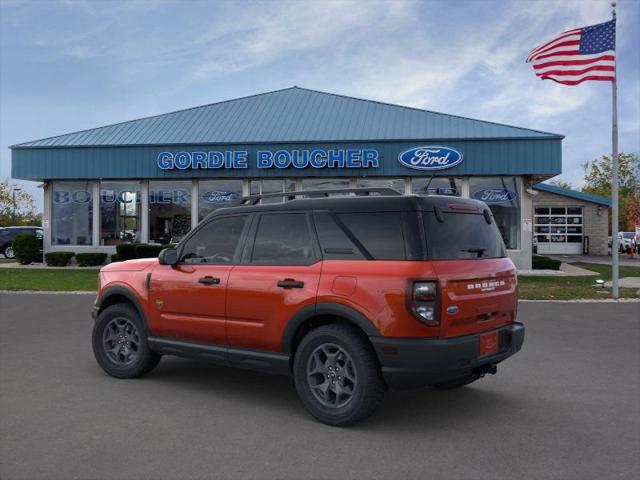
587	53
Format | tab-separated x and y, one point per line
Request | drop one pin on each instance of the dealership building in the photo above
153	179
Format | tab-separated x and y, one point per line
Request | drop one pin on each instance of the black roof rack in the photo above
255	199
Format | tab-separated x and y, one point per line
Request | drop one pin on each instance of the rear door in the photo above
477	281
187	301
279	275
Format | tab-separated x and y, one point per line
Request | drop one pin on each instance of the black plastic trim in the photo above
416	362
325	308
260	360
119	290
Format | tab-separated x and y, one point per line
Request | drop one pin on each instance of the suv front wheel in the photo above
337	375
120	343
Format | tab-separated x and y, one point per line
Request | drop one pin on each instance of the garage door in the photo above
558	229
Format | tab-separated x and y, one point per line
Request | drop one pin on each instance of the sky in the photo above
72	65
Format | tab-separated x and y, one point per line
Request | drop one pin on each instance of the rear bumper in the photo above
412	363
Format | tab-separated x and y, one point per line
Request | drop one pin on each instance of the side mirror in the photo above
168	256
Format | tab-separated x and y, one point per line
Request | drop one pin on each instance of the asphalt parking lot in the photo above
566	407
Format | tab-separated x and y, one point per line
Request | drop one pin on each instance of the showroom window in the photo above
213	194
169	211
71	213
395	183
325	183
437	186
119	212
502	197
258	187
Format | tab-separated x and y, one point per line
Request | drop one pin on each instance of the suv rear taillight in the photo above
424	302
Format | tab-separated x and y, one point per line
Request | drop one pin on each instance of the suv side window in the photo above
216	243
380	233
283	239
334	241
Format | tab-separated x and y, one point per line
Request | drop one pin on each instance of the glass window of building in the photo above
325	183
396	183
502	196
258	187
213	194
436	186
71	213
169	211
119	212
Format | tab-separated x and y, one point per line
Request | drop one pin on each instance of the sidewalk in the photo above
624	259
566	270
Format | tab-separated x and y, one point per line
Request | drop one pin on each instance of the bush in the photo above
148	251
58	259
126	251
90	259
27	248
114	258
545	263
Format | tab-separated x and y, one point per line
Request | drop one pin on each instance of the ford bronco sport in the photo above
350	295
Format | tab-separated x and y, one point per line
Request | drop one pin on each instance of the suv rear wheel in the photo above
337	375
120	343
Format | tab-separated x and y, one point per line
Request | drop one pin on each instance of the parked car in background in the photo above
7	234
625	241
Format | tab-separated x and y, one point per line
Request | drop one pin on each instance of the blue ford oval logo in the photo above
495	195
219	197
430	158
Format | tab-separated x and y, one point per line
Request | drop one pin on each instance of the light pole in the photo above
14	203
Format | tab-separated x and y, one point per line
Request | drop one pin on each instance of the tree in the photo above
597	179
558	182
25	207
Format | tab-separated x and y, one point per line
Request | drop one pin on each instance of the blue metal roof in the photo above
565	192
289	116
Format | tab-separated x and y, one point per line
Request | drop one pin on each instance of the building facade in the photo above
153	179
570	222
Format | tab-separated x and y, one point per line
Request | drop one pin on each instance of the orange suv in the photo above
350	295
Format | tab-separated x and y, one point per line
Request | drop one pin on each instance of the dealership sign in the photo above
430	158
219	197
495	195
265	159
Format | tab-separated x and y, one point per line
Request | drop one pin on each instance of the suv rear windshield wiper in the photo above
478	250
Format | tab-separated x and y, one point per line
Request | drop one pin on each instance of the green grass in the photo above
48	279
570	288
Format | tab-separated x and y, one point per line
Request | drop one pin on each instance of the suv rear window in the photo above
462	236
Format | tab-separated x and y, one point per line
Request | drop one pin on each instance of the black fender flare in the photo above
325	308
124	292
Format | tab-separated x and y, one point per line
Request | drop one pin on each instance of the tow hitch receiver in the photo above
481	371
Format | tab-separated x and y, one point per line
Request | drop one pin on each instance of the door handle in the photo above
208	280
289	283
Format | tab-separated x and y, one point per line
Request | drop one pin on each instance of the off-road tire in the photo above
367	392
144	359
455	383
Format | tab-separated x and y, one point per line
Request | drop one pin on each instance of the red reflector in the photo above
488	344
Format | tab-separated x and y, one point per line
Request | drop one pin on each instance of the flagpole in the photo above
614	177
